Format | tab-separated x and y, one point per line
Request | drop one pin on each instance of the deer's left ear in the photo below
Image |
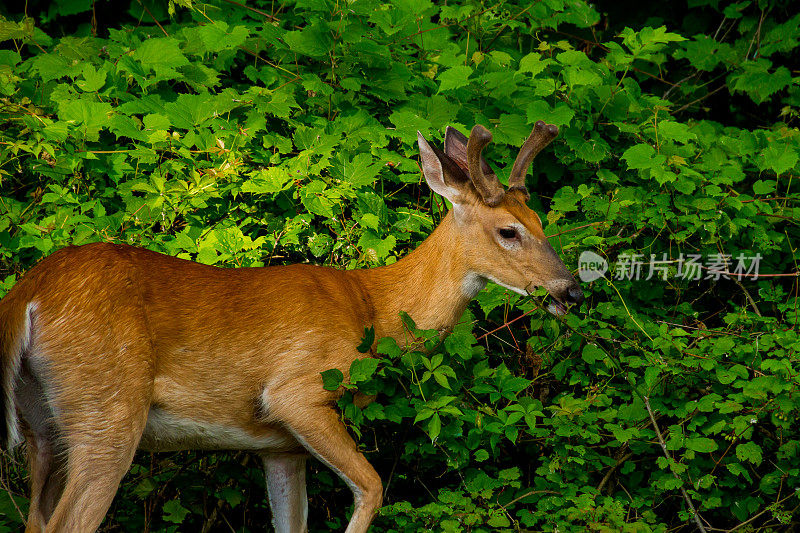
442	174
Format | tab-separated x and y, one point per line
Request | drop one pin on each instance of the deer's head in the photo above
501	237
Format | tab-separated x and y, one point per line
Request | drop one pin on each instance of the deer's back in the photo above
194	330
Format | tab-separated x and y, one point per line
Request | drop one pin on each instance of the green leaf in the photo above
749	451
592	353
15	30
675	131
763	187
701	444
534	64
738	470
374	246
92	80
759	81
217	37
162	55
498	520
144	488
561	115
363	369
388	346
332	379
780	157
434	426
268	181
91	116
358	171
639	156
174	512
454	78
320	244
232	496
318	199
311	41
367	340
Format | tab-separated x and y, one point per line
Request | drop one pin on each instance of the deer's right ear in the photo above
442	174
455	146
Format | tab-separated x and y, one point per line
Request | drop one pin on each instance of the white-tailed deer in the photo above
107	348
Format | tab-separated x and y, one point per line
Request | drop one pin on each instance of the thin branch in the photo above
7	489
505	26
440	26
669	459
575	229
523	315
152	17
612	470
254	10
749	298
530	493
759	514
701	98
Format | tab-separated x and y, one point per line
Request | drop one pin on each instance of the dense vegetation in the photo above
276	132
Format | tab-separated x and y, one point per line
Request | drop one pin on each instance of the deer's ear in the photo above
442	174
455	146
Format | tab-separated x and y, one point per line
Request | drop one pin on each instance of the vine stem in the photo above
666	454
152	17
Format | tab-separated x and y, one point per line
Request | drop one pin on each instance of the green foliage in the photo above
248	136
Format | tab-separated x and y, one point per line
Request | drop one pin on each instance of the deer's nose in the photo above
574	295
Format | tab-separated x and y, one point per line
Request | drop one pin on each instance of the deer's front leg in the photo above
319	430
286	487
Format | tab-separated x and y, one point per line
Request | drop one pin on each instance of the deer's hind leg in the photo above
101	426
92	479
46	481
100	436
45	464
100	389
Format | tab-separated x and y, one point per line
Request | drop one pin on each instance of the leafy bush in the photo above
262	134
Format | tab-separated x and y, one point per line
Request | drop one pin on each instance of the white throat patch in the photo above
472	284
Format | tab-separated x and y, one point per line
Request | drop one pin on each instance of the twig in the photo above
505	26
612	469
523	315
701	98
756	35
152	17
773	199
7	489
759	514
576	229
749	298
210	522
681	82
254	10
440	26
529	493
666	454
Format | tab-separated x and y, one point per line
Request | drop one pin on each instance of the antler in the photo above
541	136
487	184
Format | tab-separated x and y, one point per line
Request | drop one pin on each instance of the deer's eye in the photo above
508	233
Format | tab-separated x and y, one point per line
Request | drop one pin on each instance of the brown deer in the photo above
108	348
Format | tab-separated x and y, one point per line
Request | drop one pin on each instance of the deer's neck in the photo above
432	284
